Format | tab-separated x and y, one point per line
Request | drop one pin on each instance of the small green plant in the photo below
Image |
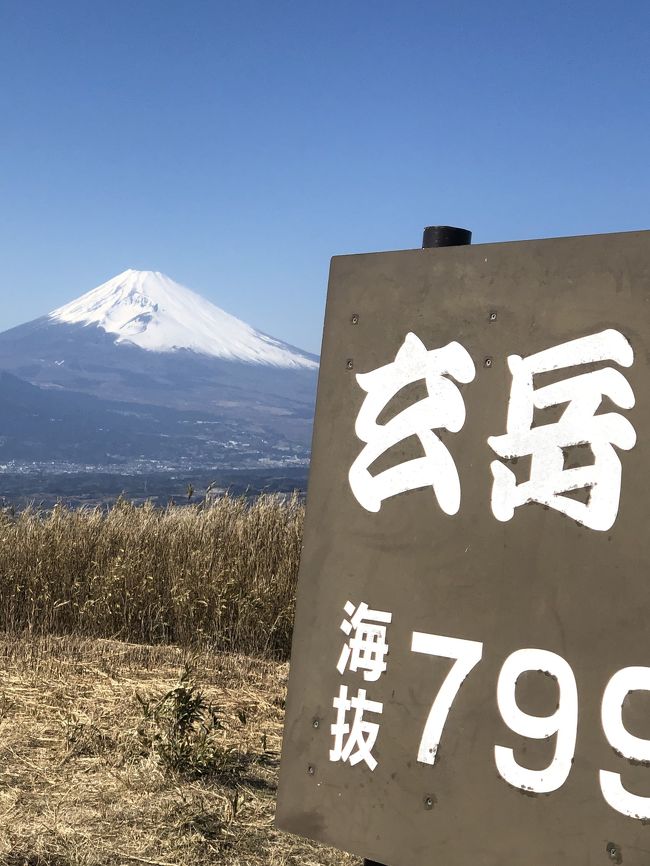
84	740
181	728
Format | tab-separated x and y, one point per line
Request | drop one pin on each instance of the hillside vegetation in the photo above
220	576
143	672
120	754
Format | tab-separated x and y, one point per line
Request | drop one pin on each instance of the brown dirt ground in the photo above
77	788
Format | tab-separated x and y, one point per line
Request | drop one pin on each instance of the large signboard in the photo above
470	677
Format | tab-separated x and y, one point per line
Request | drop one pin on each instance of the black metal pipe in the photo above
445	236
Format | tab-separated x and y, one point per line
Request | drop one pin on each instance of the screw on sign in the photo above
471	661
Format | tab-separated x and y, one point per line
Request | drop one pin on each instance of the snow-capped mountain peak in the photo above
148	309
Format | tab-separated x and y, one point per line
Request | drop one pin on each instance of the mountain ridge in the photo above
239	399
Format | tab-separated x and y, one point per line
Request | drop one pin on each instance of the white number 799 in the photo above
562	723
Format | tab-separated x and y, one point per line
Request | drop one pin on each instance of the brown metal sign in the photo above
470	676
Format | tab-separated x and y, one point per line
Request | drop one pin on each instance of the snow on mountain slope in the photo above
150	310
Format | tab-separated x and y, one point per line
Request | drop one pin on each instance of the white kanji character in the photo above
443	408
578	425
354	743
366	650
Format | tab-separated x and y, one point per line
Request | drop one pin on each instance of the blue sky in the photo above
236	146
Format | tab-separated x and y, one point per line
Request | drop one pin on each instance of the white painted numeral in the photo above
634	748
467	654
563	722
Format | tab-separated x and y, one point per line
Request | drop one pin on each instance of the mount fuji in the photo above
140	373
147	309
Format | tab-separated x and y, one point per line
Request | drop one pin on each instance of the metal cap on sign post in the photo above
438	236
445	236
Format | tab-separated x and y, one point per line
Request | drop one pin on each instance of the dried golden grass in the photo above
76	788
220	575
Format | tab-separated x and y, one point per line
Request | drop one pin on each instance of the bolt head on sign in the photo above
473	615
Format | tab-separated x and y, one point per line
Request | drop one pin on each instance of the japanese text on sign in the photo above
354	740
550	483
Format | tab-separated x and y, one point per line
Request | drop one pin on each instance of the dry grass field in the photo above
143	661
108	756
221	575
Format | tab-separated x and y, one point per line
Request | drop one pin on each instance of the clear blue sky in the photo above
236	146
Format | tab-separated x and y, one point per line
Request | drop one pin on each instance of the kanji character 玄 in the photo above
443	408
